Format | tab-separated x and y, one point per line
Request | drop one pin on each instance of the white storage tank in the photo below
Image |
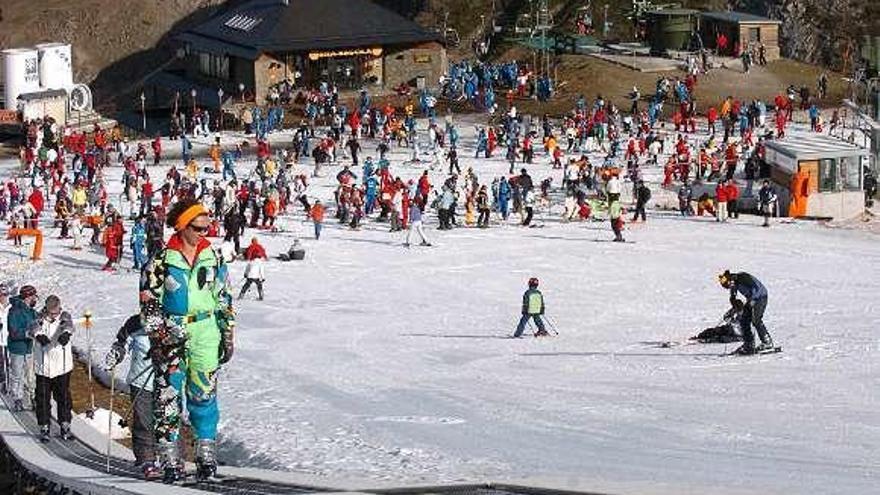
56	66
21	73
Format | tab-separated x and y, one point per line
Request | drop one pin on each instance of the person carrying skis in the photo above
133	336
255	254
189	283
532	307
755	295
53	366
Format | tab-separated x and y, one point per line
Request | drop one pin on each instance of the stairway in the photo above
86	120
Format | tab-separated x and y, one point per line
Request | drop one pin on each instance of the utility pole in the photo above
544	23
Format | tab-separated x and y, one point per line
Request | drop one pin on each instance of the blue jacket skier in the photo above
755	295
228	165
138	243
532	307
504	198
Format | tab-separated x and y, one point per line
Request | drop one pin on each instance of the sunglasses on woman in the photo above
200	229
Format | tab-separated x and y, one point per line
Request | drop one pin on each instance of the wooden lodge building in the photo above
355	44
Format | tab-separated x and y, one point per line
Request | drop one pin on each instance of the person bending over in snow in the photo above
753	310
532	307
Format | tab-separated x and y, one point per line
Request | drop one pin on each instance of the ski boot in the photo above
65	431
206	459
44	434
766	344
745	350
542	333
170	464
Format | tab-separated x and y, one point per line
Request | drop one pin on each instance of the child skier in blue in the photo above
138	243
532	307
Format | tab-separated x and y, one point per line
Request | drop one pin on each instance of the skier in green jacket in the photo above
532	307
187	312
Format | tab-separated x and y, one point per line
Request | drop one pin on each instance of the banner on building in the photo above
375	52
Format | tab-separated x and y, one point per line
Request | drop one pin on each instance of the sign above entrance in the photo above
8	117
375	52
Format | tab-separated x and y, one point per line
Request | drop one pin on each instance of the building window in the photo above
827	175
850	173
214	66
754	35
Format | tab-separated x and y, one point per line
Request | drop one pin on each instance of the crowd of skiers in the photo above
65	173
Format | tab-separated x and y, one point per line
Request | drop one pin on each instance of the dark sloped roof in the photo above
40	95
738	17
269	25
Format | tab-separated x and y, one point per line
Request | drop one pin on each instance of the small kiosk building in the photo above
821	176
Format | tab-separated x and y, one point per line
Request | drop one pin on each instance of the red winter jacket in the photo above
712	115
732	192
721	193
424	185
254	251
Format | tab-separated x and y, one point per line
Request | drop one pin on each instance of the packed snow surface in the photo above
369	360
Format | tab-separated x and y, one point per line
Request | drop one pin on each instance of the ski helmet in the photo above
533	282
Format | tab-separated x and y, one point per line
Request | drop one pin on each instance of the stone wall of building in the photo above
268	71
405	64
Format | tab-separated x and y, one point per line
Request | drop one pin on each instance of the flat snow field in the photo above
370	361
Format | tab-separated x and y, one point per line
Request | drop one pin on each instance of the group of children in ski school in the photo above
744	314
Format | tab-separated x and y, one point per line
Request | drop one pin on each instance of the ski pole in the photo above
123	422
110	414
552	325
87	315
5	371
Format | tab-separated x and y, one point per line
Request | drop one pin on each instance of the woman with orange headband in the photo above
188	283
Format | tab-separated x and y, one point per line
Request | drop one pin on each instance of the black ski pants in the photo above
753	314
143	441
732	210
483	220
640	210
529	213
247	285
57	388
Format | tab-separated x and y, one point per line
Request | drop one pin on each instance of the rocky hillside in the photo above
104	33
115	41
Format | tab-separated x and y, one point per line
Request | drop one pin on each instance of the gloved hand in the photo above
42	339
114	356
226	350
64	338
